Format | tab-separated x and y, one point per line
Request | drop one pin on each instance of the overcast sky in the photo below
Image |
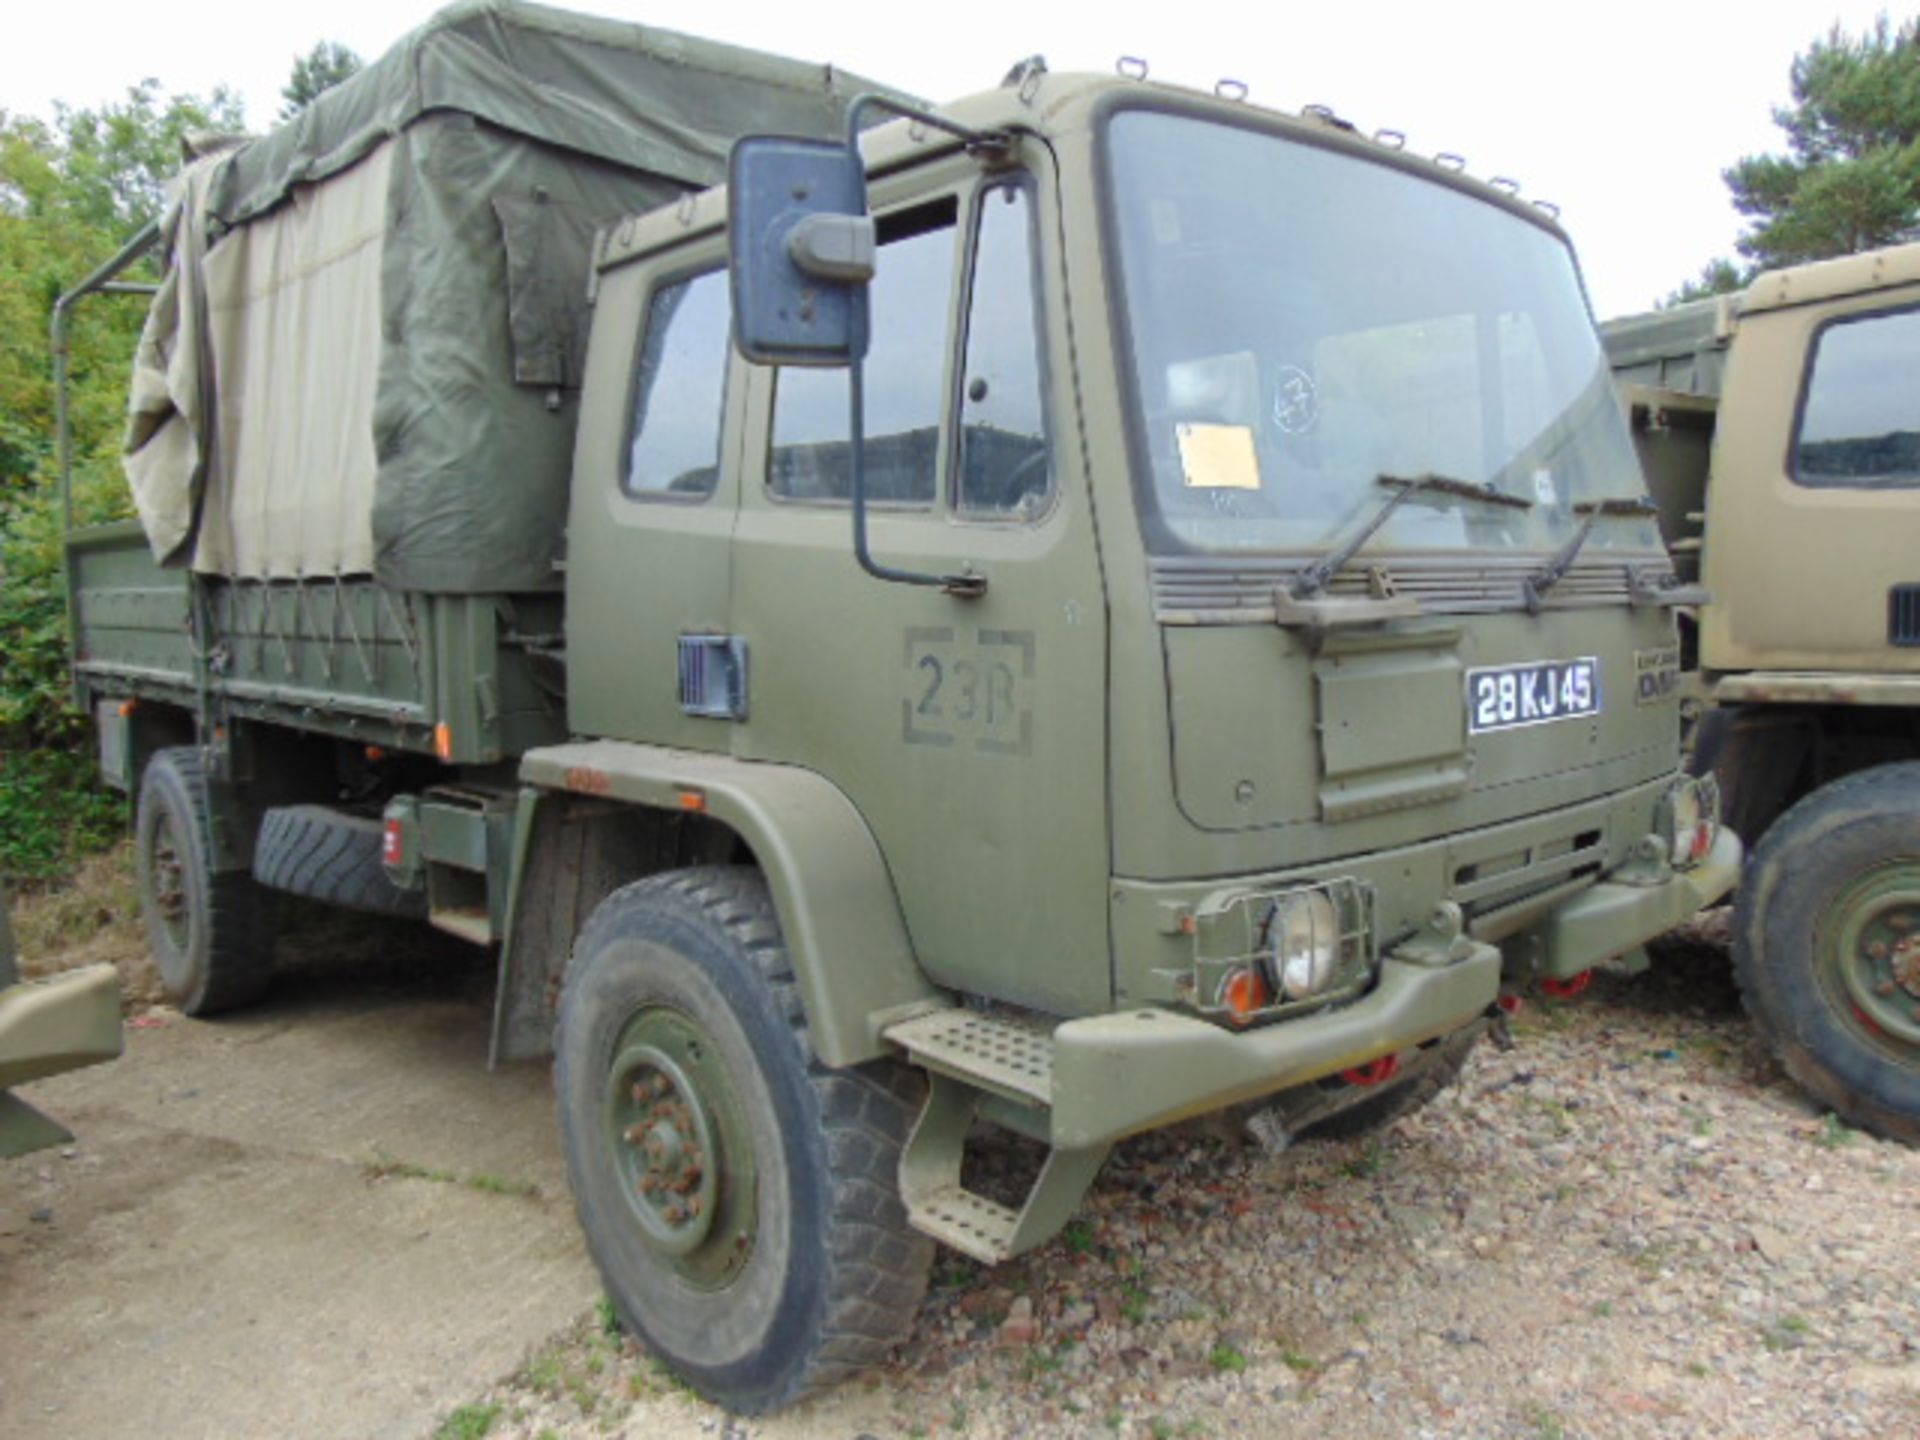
1623	113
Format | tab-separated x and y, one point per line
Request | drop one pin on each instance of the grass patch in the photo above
469	1422
1834	1132
1368	1163
1788	1332
385	1167
1227	1358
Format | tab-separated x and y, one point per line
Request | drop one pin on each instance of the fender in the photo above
835	898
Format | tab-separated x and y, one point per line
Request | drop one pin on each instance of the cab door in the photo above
970	732
655	494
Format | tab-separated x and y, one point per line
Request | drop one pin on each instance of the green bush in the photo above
53	809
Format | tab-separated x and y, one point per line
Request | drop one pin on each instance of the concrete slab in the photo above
321	1218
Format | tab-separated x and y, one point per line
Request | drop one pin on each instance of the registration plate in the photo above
1505	697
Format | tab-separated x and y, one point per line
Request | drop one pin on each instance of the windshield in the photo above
1304	322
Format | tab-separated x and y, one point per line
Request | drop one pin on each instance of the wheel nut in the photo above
1885	987
1877	950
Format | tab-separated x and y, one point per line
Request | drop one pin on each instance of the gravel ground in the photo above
1628	1225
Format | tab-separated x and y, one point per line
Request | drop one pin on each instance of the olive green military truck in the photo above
48	1027
1781	431
1157	627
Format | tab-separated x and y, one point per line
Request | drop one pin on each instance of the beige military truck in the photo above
1780	430
47	1027
1096	605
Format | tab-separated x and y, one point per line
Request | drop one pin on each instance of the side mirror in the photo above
801	250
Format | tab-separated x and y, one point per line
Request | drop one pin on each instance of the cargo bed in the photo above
471	678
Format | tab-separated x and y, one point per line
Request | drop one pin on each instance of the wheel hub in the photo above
1903	965
675	1133
1872	950
169	883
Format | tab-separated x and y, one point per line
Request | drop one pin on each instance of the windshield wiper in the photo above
1312	580
1555	570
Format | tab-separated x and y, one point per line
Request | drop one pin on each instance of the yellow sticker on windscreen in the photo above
1217	457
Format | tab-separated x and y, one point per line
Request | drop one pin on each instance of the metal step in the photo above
1006	1055
969	1055
969	1223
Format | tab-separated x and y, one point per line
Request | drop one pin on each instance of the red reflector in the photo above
1374	1072
1566	989
393	847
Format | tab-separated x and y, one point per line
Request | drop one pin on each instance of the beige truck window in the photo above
679	390
1860	421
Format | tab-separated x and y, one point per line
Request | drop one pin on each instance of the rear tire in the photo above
330	855
211	932
741	1199
1827	946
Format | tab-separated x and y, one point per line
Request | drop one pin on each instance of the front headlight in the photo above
1305	934
1263	953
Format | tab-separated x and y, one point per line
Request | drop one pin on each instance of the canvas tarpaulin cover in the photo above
365	352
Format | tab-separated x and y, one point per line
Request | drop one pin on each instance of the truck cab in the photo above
1300	666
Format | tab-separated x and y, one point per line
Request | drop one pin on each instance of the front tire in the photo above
210	931
740	1199
1827	946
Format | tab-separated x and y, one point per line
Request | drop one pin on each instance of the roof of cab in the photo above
1054	105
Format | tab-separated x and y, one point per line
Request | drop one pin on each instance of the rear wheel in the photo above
741	1199
211	932
1827	946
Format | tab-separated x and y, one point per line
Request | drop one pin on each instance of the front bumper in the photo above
1116	1075
1612	917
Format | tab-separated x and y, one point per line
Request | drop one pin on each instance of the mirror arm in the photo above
990	144
966	586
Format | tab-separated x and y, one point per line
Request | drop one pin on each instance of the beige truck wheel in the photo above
1827	946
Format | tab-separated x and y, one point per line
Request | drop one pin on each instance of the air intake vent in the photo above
1903	615
713	676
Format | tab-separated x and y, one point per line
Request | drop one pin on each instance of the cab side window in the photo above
679	390
907	308
1860	425
1005	468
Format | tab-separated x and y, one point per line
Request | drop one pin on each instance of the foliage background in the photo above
72	191
1850	178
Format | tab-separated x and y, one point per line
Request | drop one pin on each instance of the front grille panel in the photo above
1233	589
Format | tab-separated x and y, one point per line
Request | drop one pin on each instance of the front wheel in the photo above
740	1199
1827	946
